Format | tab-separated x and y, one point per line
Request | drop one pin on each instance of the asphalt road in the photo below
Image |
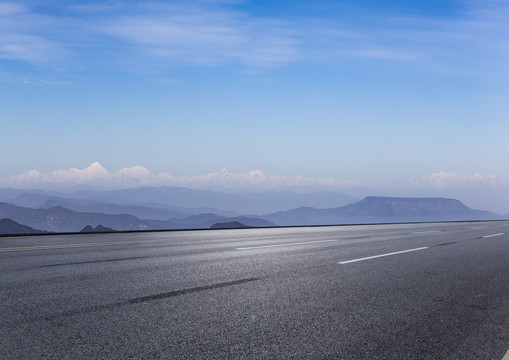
409	291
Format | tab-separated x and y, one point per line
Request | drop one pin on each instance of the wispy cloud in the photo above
211	33
472	41
23	38
204	34
447	180
383	54
194	32
29	80
29	48
10	8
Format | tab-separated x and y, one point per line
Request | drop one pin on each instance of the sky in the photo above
388	94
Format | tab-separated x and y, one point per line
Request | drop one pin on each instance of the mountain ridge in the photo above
61	219
372	209
379	209
184	200
96	175
11	227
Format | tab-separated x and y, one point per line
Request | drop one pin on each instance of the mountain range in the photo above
483	191
95	175
11	227
117	209
373	209
60	219
165	202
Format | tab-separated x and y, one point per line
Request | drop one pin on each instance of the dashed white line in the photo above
426	232
488	236
288	244
382	255
479	227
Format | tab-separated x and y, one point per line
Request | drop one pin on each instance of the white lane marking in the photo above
479	227
82	245
506	357
426	232
488	236
377	256
288	244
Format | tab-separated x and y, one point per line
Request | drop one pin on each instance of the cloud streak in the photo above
217	33
447	180
199	33
28	36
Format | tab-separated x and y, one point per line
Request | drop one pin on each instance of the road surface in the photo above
403	291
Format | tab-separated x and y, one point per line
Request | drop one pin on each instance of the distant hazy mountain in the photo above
240	202
44	200
205	221
382	209
163	203
11	227
118	209
60	219
229	225
7	194
246	220
97	229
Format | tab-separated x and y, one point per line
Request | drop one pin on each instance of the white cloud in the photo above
204	34
10	8
29	48
478	191
156	35
447	180
30	80
384	54
218	32
27	36
97	175
487	192
196	32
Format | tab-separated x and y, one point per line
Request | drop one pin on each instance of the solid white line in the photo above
506	357
425	232
82	245
488	236
377	256
289	244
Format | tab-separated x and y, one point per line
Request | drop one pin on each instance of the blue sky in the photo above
367	91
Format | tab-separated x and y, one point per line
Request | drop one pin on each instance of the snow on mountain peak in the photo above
96	166
95	174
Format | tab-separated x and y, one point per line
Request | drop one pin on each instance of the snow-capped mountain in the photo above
97	175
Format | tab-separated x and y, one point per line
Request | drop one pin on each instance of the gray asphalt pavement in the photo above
407	291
